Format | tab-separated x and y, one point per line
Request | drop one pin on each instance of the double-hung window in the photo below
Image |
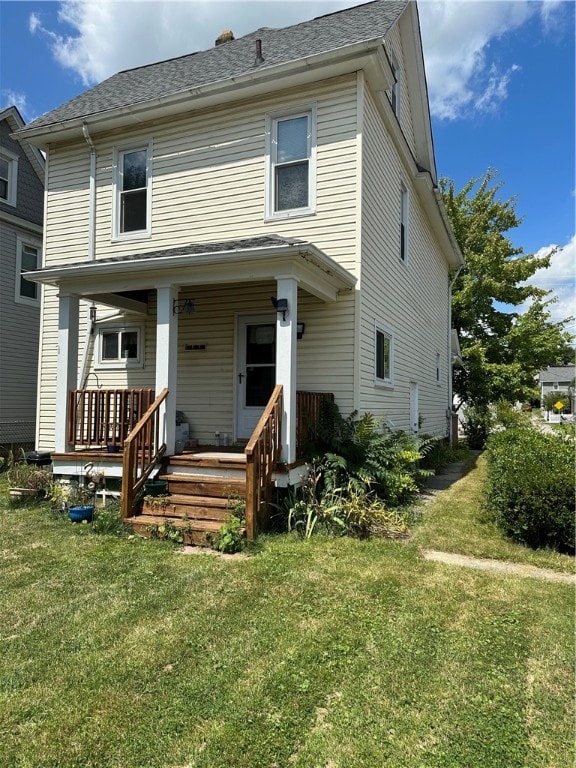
291	155
384	357
8	176
404	223
132	198
120	347
27	260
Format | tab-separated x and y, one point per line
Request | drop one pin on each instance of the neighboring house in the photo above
557	379
21	217
261	213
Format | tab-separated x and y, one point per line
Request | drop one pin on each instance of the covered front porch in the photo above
250	388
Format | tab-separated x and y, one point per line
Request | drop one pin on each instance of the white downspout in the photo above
91	251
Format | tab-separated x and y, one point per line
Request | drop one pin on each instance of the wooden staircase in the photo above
201	488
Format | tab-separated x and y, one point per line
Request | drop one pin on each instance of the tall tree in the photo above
502	350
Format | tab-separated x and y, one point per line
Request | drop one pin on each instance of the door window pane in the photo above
261	344
260	382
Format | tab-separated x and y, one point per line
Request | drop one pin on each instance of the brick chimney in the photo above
225	37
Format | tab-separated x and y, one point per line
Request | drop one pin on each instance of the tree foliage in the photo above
502	350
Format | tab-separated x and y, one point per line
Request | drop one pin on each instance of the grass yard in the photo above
328	653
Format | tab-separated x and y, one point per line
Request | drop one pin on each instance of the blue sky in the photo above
500	77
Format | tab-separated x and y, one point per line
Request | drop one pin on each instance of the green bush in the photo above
477	425
530	490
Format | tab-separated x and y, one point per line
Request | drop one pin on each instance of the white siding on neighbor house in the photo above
208	185
18	344
411	298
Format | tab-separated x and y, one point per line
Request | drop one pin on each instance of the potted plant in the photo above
26	479
80	503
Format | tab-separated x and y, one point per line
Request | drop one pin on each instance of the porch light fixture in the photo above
280	305
300	327
183	306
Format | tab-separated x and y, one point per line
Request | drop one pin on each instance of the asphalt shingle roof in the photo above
231	59
557	373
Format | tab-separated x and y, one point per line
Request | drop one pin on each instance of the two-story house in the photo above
21	220
234	232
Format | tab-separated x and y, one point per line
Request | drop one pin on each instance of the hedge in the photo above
530	489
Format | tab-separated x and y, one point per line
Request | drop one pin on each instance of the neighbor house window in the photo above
403	223
8	176
132	192
120	347
291	154
27	260
384	343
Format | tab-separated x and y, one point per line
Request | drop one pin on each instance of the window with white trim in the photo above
404	202
291	164
132	192
395	90
8	176
27	260
120	347
384	355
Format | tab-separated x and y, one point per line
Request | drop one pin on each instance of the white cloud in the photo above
95	40
10	98
559	278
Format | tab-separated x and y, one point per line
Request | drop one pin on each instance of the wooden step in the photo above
210	459
198	532
204	485
191	507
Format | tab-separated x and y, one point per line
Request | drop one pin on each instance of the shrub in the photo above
107	520
530	489
478	423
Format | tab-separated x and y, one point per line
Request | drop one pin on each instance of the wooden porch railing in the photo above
98	417
309	407
142	449
262	453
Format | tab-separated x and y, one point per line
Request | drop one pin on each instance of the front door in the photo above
255	371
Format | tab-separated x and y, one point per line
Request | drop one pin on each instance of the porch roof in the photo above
232	261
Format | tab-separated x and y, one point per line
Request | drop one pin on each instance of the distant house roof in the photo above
558	373
230	59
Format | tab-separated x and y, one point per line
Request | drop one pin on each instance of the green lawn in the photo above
335	653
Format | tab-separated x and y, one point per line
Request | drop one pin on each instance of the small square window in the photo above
384	355
120	347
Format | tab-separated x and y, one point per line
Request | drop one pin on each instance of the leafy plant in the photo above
107	520
230	537
478	423
167	531
159	502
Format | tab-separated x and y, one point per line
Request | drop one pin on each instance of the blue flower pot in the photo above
79	514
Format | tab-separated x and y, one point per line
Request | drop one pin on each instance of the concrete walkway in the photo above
498	566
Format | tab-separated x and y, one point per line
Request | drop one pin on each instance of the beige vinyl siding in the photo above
411	298
18	344
209	185
394	43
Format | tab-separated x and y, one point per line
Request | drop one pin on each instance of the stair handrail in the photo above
142	450
262	453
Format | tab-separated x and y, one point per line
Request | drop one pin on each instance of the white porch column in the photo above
287	288
167	361
67	366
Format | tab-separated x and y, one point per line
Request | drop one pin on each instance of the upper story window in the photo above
27	260
291	162
404	201
132	192
395	90
384	357
8	176
120	347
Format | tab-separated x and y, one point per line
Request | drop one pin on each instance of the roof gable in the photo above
15	122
